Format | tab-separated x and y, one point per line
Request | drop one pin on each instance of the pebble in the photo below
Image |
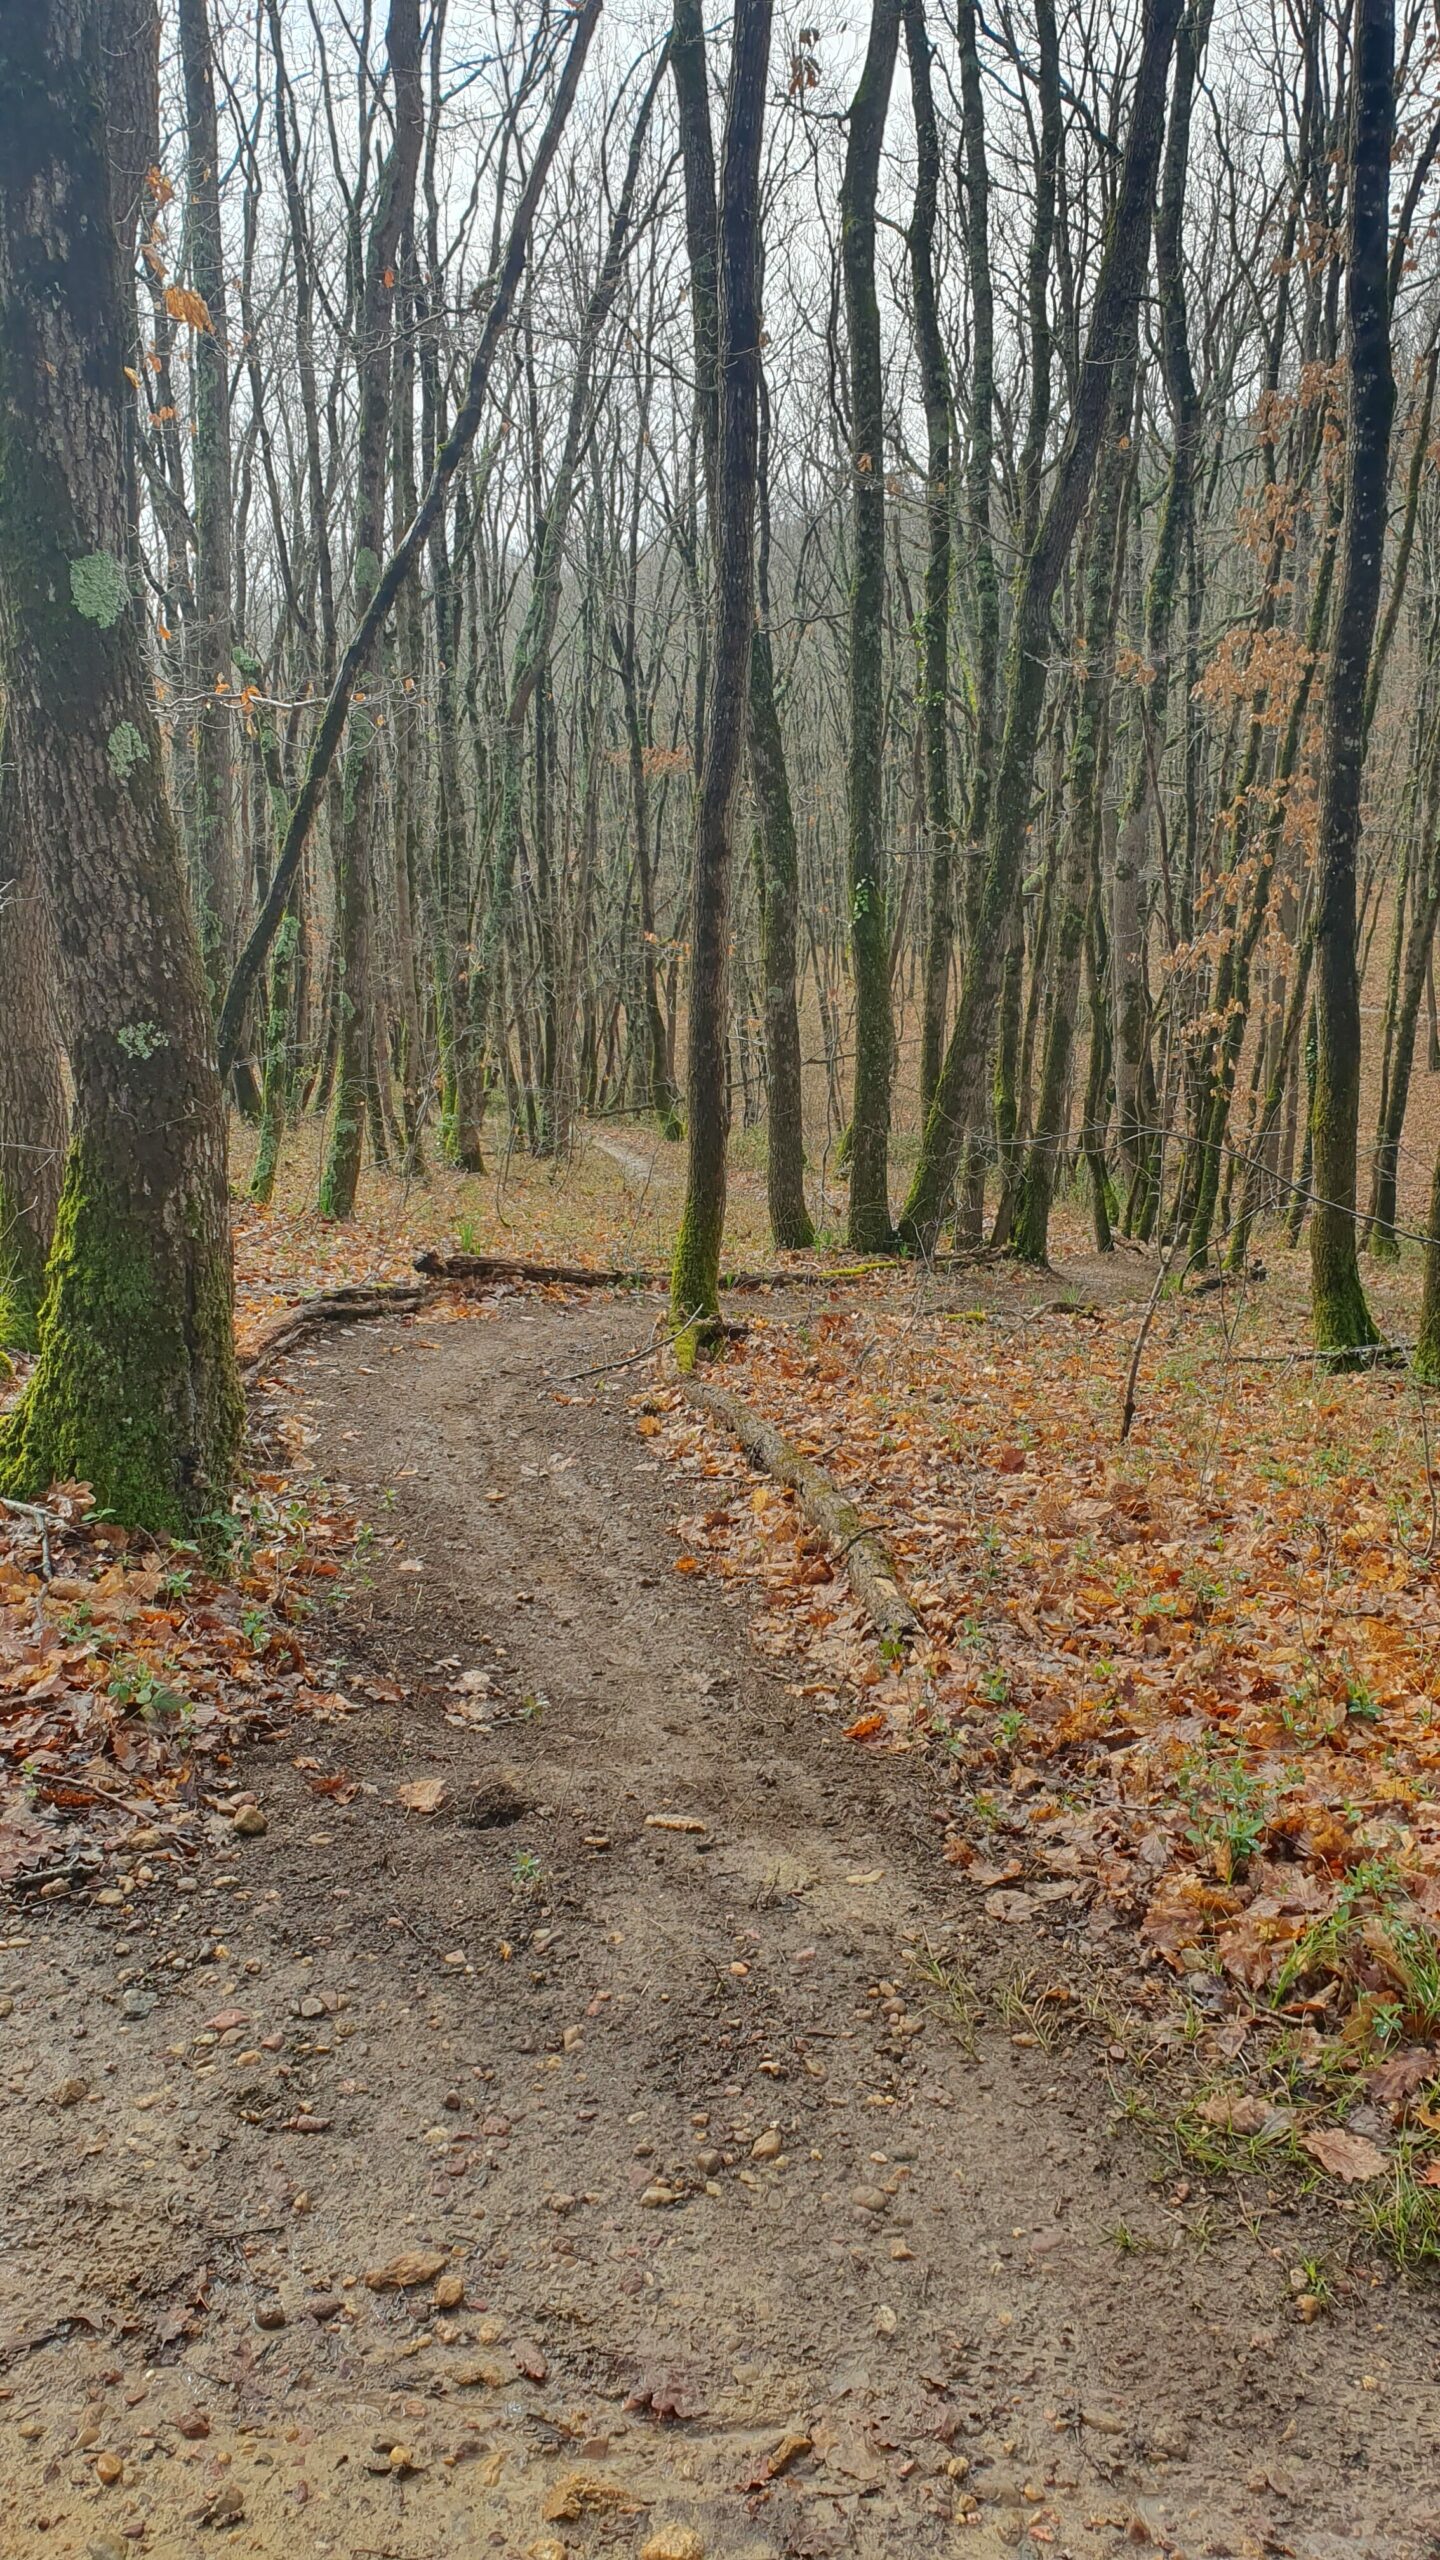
270	2314
323	2306
673	2542
109	2468
137	2004
250	1822
449	2291
766	2146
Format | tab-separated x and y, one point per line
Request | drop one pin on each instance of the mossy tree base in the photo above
135	1392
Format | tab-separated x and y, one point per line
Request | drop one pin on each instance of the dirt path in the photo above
727	2193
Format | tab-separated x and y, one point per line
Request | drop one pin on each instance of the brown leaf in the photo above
1345	2155
1395	2081
1236	2111
421	1795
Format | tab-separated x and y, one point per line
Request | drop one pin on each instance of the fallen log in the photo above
874	1576
583	1275
352	1305
500	1266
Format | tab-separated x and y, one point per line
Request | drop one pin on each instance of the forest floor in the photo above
599	2060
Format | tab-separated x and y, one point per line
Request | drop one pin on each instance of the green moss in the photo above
135	1392
125	748
98	589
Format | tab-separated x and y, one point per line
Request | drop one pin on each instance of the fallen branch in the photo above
874	1578
583	1275
500	1266
333	1306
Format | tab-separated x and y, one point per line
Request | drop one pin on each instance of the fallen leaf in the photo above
1345	2155
1236	2111
421	1795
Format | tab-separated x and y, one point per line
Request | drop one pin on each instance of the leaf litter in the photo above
1180	1695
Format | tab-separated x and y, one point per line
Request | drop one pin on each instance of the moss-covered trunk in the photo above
135	1390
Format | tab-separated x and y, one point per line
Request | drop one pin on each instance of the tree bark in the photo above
210	639
1342	1322
135	1391
869	1136
695	1279
34	1112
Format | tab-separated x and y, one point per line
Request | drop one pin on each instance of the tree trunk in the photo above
695	1279
135	1391
1122	274
939	516
869	1224
1342	1322
209	637
394	202
34	1115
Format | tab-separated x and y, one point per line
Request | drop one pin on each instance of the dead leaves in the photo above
127	1675
1350	2156
421	1795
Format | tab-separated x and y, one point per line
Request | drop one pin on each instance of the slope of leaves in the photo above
1185	1688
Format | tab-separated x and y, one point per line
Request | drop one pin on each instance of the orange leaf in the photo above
687	1564
191	309
864	1726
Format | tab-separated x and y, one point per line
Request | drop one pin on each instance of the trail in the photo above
758	2243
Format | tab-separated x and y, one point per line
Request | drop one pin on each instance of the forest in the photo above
719	1276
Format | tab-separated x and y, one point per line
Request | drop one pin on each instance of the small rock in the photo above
658	2194
227	2508
323	2306
673	2542
270	2313
137	2004
1168	2440
31	2430
766	2146
870	2200
110	2546
493	2372
70	2093
310	2006
449	2290
413	2266
109	2468
193	2424
250	1822
709	2161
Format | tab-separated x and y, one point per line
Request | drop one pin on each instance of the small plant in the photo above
138	1689
954	1995
256	1627
1404	2215
525	1871
1010	1726
1229	1810
1130	2244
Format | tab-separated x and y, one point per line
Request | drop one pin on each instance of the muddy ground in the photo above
737	2237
